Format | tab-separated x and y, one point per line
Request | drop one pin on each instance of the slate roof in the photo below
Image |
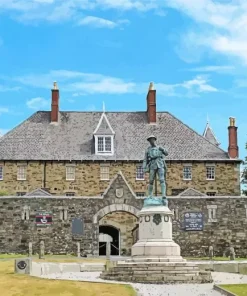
72	139
210	136
191	192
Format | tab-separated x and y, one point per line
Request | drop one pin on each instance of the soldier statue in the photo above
154	163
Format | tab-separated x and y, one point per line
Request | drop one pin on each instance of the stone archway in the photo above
118	216
114	208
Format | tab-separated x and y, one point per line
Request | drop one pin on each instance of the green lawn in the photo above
214	258
240	290
12	284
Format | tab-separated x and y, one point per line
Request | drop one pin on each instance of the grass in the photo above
24	285
214	258
240	290
54	258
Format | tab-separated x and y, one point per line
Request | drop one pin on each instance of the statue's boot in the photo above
163	192
150	190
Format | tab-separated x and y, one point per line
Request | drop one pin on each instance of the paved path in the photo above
162	290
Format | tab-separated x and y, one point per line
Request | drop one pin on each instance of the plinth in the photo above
155	256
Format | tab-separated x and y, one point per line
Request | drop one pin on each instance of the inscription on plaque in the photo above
193	221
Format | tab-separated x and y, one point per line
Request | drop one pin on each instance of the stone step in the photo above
154	268
145	264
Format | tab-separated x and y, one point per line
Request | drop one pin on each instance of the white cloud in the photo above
37	103
4	110
60	10
81	84
220	27
218	69
97	22
4	88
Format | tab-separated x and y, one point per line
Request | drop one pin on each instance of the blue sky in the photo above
109	50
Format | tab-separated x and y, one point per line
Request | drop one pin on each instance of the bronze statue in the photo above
154	163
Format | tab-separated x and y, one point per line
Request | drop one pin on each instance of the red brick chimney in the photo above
54	103
151	104
233	139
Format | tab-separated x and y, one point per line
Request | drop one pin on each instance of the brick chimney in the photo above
233	139
151	104
54	103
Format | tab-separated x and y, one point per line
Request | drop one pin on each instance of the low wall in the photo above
224	266
42	269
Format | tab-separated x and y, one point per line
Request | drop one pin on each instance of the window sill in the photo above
187	179
21	179
137	179
70	179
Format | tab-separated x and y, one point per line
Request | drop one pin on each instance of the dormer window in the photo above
104	144
104	137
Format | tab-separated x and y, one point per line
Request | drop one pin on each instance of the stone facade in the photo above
52	175
225	221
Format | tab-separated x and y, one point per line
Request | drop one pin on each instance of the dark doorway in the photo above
114	233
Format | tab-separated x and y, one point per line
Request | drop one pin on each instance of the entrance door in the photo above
113	233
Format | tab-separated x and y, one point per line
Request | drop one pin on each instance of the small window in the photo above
211	193
70	193
104	172
22	172
140	172
210	172
140	194
104	144
21	193
1	172
63	214
70	173
187	173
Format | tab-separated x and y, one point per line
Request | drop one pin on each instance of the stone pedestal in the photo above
156	257
155	235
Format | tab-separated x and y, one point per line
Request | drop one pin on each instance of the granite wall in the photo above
225	221
52	175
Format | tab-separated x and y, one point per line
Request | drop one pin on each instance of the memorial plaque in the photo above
23	265
193	221
43	219
77	226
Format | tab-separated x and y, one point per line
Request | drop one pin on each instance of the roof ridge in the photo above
197	133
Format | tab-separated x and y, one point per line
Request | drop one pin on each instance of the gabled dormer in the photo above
209	135
104	137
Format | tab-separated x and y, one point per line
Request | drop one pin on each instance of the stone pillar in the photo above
30	249
78	249
42	250
108	254
155	235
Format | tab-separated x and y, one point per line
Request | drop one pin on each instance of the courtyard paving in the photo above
162	290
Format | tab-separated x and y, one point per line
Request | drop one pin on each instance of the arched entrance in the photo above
109	234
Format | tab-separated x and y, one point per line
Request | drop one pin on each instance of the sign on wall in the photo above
77	226
193	221
43	218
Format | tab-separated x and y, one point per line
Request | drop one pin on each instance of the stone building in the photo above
88	166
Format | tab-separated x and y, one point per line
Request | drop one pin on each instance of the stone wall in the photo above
227	227
88	183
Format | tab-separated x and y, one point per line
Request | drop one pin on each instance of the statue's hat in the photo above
151	137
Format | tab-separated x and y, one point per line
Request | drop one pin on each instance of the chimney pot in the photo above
233	139
151	104
54	103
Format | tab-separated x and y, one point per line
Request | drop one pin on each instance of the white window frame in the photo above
212	213
104	152
212	168
1	172
187	166
138	166
104	172
22	175
70	176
